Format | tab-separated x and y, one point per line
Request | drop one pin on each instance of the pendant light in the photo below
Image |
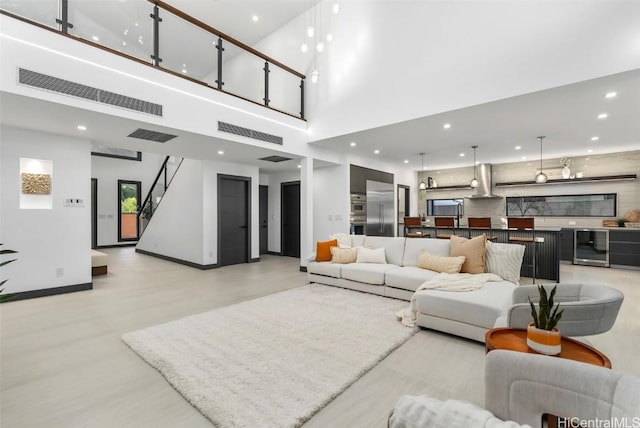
423	185
541	177
474	181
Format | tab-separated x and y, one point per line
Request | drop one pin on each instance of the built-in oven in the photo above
591	247
358	215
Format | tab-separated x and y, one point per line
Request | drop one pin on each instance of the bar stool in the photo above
481	223
412	222
525	235
444	222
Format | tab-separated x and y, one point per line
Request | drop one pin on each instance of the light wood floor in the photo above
63	363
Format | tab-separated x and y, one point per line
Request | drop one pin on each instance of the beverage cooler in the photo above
591	247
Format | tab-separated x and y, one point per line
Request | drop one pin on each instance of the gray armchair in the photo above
521	387
588	309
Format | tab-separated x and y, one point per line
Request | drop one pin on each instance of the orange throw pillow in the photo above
323	250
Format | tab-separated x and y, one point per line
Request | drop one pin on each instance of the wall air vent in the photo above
145	134
249	133
61	86
275	158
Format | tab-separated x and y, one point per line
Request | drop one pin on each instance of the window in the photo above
590	205
445	207
128	201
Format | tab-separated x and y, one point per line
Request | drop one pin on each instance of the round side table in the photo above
515	339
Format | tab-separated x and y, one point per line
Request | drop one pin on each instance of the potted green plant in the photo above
542	334
4	297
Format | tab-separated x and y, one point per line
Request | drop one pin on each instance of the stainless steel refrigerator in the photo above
380	209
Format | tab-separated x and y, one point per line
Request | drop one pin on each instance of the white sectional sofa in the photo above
468	314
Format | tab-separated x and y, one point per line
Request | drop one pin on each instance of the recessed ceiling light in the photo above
377	152
590	151
595	138
446	126
96	38
82	128
299	166
255	18
352	144
602	116
329	37
518	147
461	155
611	95
406	161
220	152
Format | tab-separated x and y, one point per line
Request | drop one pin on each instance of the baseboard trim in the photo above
32	294
180	261
303	268
274	253
254	260
132	244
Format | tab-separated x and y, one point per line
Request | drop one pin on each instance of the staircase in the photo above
167	171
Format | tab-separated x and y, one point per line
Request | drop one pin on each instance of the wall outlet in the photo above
74	203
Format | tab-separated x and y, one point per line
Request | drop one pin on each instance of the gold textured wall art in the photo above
36	184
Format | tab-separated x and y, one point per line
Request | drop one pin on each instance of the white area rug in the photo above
276	360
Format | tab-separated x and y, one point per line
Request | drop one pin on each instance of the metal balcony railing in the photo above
157	34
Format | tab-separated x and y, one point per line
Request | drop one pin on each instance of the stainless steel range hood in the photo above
483	191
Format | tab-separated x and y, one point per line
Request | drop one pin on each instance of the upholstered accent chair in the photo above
588	308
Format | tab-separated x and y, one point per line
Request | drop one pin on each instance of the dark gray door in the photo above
233	215
264	219
290	240
94	212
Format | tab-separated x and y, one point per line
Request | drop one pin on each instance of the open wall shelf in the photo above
621	177
457	187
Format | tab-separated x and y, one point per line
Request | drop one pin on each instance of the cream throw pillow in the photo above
344	239
505	261
371	255
472	249
426	260
343	255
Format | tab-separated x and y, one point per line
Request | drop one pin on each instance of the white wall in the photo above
185	225
108	171
331	201
392	61
176	228
53	244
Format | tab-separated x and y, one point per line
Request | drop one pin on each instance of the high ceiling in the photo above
566	115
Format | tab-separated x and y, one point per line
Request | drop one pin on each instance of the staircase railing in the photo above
167	171
157	34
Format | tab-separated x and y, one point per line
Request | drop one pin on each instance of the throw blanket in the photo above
444	282
426	412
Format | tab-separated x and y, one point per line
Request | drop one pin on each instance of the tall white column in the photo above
306	210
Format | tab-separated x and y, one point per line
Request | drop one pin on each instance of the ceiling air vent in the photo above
61	86
275	158
145	134
249	133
